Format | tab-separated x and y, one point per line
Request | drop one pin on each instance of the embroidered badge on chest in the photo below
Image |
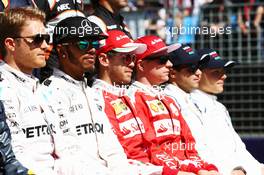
132	127
120	108
156	107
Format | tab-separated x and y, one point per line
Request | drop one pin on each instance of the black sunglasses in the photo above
162	59
37	39
192	68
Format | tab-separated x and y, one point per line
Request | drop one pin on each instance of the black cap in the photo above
185	55
215	60
77	28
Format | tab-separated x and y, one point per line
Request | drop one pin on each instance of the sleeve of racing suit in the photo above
9	108
8	160
251	165
111	150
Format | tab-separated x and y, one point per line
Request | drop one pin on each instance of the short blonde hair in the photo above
13	20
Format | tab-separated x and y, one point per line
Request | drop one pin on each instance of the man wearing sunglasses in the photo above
228	150
116	60
23	44
85	142
165	128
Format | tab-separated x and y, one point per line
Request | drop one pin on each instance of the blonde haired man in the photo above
23	43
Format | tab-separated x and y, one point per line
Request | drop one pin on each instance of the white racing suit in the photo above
193	117
31	139
228	149
84	140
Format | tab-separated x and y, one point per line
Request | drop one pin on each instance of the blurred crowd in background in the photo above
234	27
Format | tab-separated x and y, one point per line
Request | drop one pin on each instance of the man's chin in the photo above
90	69
41	64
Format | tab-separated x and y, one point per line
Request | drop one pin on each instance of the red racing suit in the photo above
129	130
172	143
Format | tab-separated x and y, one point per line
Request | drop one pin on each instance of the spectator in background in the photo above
23	43
109	13
189	20
187	36
169	28
58	10
259	25
215	19
55	12
249	21
220	137
8	4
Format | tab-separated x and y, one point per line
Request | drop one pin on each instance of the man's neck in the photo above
105	78
74	74
11	62
144	81
108	6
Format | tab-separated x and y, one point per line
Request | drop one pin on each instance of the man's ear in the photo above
140	65
173	73
10	44
103	59
62	53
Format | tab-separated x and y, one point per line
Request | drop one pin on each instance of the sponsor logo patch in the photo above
165	127
132	127
121	109
156	107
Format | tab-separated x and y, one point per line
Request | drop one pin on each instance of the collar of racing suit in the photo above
116	90
66	77
178	90
156	91
27	80
202	93
202	100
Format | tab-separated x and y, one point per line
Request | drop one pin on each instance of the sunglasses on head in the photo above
162	59
37	39
126	57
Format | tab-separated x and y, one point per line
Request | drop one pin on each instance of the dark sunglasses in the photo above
37	39
85	45
192	68
127	58
162	59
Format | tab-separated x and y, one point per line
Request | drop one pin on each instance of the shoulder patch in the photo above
47	82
